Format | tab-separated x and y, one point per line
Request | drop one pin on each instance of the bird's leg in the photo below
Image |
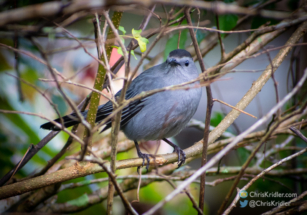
143	156
179	152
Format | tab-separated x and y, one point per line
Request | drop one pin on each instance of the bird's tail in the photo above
68	120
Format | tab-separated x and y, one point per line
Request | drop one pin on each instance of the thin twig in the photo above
220	39
217	100
138	189
275	84
22	159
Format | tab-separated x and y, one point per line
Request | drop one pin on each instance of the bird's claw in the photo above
182	158
144	156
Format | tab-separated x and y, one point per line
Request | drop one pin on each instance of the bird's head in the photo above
181	60
179	57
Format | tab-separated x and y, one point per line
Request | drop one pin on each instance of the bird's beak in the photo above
173	62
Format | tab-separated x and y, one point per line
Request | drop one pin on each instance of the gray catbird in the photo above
160	115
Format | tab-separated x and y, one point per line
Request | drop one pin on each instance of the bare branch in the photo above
234	108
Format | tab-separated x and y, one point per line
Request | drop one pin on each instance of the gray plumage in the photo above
164	114
158	116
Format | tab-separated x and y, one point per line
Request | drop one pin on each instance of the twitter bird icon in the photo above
243	204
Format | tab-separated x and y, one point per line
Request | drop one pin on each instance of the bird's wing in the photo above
147	80
128	112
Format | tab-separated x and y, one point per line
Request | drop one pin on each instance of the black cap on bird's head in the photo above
179	57
179	53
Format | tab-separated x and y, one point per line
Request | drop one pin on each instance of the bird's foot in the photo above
181	155
144	156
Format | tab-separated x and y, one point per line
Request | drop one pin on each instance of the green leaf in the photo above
136	33
258	21
225	170
142	43
51	36
81	201
216	118
51	32
132	52
243	154
119	50
48	29
227	22
122	29
171	44
141	40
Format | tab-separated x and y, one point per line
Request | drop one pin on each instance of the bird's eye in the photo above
186	63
